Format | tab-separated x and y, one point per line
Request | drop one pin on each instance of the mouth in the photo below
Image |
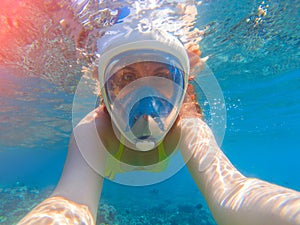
144	137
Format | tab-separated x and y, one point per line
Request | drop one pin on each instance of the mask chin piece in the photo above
145	145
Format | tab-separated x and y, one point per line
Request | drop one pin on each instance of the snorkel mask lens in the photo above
154	107
143	92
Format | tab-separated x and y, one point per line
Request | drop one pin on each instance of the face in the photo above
143	99
135	71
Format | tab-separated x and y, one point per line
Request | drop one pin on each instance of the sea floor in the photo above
18	200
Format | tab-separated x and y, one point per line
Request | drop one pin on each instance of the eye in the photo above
129	76
164	74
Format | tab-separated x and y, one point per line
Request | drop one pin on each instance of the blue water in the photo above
258	69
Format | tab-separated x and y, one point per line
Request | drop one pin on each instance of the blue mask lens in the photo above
152	106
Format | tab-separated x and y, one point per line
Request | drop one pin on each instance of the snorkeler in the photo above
148	112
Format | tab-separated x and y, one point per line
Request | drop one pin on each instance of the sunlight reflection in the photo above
58	210
230	195
234	191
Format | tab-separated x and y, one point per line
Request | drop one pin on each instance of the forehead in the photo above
149	66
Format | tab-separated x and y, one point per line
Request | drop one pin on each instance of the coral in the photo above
106	214
17	201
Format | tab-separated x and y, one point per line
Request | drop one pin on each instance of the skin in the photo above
134	71
232	198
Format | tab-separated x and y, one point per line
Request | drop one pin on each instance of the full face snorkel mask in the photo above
143	78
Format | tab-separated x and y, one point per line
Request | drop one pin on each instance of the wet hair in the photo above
190	107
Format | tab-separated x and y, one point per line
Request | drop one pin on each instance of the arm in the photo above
76	197
233	198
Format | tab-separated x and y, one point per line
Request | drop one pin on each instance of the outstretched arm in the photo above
75	199
233	198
